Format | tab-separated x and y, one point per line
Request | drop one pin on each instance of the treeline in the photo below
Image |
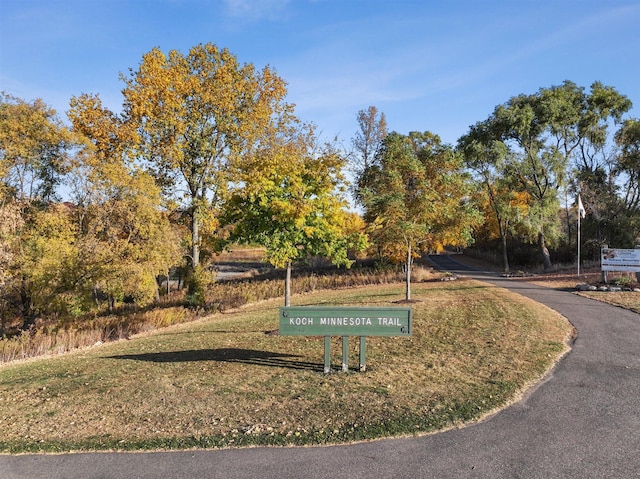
536	153
206	152
516	177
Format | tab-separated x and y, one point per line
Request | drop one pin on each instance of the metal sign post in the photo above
363	353
327	354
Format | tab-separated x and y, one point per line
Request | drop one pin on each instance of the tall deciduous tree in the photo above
487	158
34	148
414	198
124	237
543	132
34	154
288	198
627	170
368	139
191	114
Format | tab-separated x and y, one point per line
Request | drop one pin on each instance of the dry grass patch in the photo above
57	337
241	253
625	299
223	382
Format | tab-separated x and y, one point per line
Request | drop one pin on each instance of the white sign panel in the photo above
620	259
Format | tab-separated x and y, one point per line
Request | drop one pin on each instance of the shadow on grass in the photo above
227	355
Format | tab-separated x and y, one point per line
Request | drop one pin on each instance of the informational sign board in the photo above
344	321
613	259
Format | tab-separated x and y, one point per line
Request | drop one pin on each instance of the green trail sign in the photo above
344	321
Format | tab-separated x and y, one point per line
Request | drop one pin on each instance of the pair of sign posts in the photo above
344	321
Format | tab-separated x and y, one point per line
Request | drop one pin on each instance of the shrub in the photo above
624	281
198	282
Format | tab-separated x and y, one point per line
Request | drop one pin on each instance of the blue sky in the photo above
428	65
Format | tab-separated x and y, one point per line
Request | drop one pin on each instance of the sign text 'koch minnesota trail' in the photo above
344	321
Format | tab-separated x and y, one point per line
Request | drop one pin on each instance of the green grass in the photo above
223	382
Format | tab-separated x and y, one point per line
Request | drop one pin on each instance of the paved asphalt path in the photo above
582	421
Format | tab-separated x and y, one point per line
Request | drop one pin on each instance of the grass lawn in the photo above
625	299
223	382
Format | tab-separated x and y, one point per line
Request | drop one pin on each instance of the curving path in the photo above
582	421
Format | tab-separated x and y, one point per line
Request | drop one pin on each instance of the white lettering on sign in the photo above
300	321
345	321
389	322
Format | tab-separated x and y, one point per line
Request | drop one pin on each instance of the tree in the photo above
34	154
627	169
594	161
124	237
414	198
287	198
128	239
191	114
368	139
47	262
41	264
34	146
539	170
543	132
11	222
504	204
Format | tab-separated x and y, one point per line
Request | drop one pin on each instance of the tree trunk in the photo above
26	306
542	247
505	256
156	292
195	252
195	240
287	286
408	281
